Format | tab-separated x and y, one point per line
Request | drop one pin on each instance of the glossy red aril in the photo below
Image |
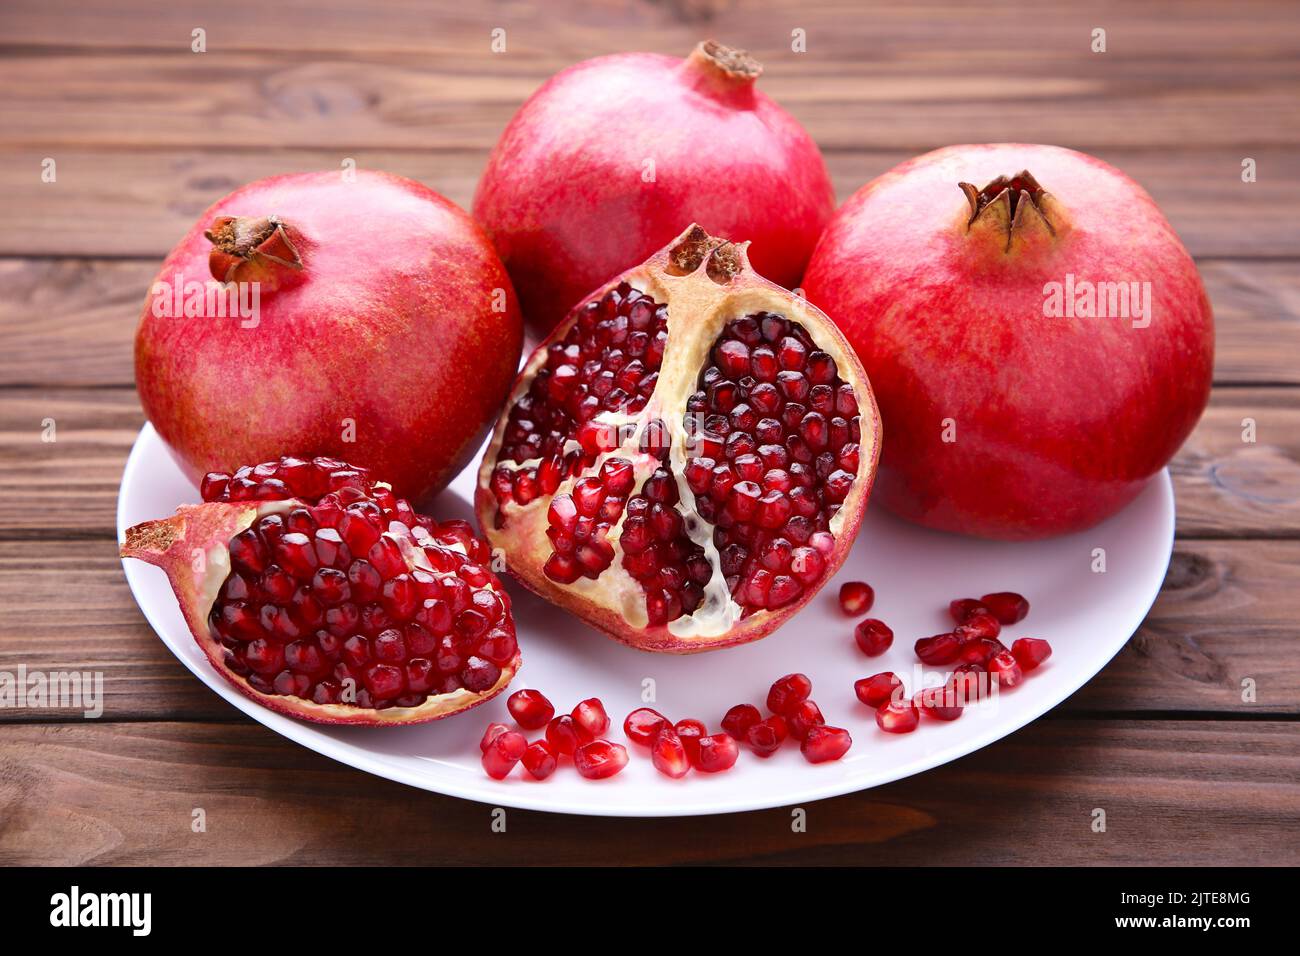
878	688
715	753
323	596
668	754
1007	606
766	736
530	709
679	471
969	682
897	716
856	597
643	725
494	730
503	752
786	693
874	637
689	731
600	759
562	734
377	303
803	717
1004	666
963	608
540	760
727	157
739	719
939	649
977	625
941	703
1029	652
825	743
1046	309
979	650
590	718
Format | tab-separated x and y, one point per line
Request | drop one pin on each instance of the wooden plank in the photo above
1226	615
139	203
71	795
1225	487
71	322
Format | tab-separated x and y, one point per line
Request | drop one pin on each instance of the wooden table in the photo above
145	133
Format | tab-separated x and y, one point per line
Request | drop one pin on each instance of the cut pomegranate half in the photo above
685	461
317	593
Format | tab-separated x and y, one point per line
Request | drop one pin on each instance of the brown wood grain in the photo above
1172	792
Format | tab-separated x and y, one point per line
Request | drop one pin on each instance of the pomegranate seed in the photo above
856	597
1004	666
643	725
539	760
938	702
897	717
1007	606
530	709
766	736
669	755
562	735
715	753
878	688
803	718
963	608
600	759
824	743
979	651
874	637
503	752
966	683
787	692
739	719
977	625
689	731
1029	652
590	718
938	650
492	733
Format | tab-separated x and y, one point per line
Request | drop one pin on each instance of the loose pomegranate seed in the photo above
937	650
642	726
824	743
967	683
600	759
803	718
979	651
963	608
874	637
739	719
530	709
766	736
1004	666
1029	652
540	760
689	731
878	688
787	692
980	624
669	755
1007	606
562	735
503	752
716	753
492	733
856	597
897	717
938	702
590	718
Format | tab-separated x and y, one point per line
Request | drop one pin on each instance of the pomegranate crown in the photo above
251	248
1013	210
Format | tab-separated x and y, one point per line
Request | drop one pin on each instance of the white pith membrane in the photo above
198	585
700	306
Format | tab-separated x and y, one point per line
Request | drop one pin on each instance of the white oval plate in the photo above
1087	617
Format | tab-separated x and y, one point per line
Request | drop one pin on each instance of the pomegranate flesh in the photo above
316	592
1040	341
823	743
685	461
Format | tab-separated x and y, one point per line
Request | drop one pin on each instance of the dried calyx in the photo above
1012	210
251	248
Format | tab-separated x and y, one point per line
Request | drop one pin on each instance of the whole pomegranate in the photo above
323	596
367	319
604	163
684	462
1039	340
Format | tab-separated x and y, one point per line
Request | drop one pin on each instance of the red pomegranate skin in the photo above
402	320
565	199
1059	422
